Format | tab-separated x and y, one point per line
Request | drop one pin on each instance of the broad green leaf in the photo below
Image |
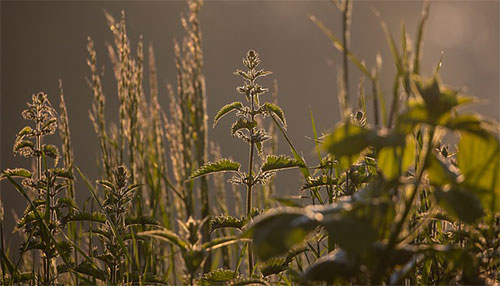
347	142
439	100
478	158
469	122
351	234
460	203
16	173
336	267
280	162
277	231
271	108
440	172
396	160
222	165
226	109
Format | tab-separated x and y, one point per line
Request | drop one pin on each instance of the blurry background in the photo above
44	41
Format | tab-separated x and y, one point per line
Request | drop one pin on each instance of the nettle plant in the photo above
46	215
246	128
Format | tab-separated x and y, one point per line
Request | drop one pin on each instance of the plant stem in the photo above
345	42
250	185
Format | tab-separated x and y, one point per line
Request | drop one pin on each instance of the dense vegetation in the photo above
387	202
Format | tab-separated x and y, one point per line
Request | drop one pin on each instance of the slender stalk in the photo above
250	183
345	41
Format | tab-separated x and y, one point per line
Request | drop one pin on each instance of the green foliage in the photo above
387	203
222	165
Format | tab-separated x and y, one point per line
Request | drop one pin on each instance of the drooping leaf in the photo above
217	276
273	109
141	220
15	173
168	236
351	234
242	123
63	173
277	231
224	221
335	267
460	203
347	142
222	165
273	266
439	100
440	172
280	162
394	161
86	216
226	109
478	159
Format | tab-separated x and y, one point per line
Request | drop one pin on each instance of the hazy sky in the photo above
44	41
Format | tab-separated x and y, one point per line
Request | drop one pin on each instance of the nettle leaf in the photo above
320	181
226	109
63	173
336	267
270	109
86	216
440	172
439	100
352	234
217	276
24	147
259	136
273	266
347	142
50	151
222	165
277	231
16	173
242	124
281	162
478	159
224	221
141	220
460	203
26	131
394	161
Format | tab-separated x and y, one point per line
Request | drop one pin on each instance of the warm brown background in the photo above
44	41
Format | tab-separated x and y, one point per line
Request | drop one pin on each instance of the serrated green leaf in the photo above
86	216
224	221
141	220
273	266
16	173
323	180
222	165
226	109
242	124
271	109
217	276
440	172
280	162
